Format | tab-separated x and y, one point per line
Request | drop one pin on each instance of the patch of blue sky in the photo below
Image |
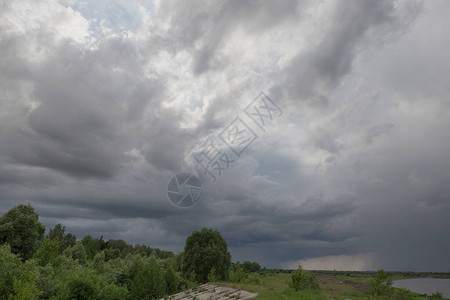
118	15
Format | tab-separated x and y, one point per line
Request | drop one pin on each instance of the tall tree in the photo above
59	233
204	250
21	229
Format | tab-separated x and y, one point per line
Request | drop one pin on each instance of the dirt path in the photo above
213	292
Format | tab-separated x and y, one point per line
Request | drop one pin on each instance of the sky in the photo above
102	102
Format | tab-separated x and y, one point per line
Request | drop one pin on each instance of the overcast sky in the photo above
102	102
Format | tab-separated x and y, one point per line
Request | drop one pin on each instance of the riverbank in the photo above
273	286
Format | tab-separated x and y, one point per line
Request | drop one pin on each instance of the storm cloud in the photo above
101	102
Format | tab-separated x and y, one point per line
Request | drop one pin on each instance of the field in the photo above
273	286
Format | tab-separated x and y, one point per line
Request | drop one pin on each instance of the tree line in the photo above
56	265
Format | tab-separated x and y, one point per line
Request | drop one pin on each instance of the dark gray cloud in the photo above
96	116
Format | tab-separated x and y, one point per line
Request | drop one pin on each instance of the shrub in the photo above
212	276
172	281
25	286
21	229
48	251
400	294
238	275
76	252
204	250
380	284
81	284
113	292
149	282
301	280
381	288
10	269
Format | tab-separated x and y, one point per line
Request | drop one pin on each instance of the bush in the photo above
81	284
25	286
212	276
172	281
21	229
149	282
238	275
76	252
204	250
48	251
301	280
400	294
380	284
10	269
381	288
114	292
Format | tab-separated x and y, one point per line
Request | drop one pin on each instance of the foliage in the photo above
10	269
76	252
238	275
212	276
25	286
301	280
91	246
21	229
119	246
80	284
149	282
114	292
47	252
250	267
172	281
111	253
380	284
58	233
204	250
381	288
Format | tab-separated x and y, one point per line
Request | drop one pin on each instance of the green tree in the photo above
149	282
380	284
21	229
255	267
212	276
79	284
91	245
76	252
119	245
172	281
111	253
204	250
59	233
301	280
69	240
48	251
10	269
25	286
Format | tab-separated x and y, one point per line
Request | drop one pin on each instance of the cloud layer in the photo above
102	102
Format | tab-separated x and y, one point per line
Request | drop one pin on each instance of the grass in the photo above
273	286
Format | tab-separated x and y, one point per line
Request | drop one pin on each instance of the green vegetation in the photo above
301	280
58	266
204	250
274	285
21	229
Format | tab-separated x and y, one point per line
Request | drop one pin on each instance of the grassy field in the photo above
273	286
